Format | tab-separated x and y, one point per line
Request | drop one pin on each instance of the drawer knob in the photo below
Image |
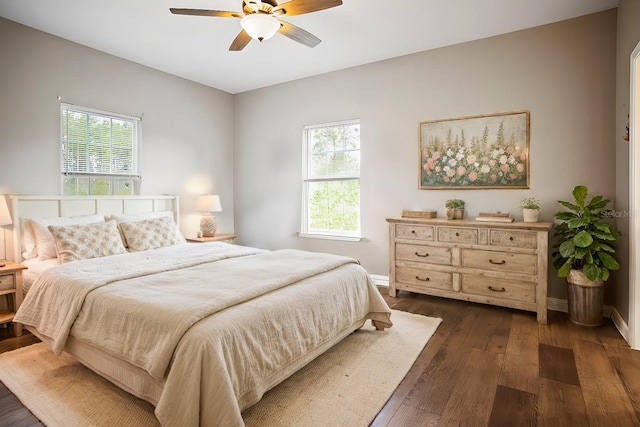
422	256
491	288
413	231
457	234
511	238
497	262
422	280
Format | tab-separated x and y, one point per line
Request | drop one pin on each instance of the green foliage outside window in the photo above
333	184
335	206
84	186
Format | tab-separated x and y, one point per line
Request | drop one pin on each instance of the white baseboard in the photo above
609	311
621	325
380	280
555	304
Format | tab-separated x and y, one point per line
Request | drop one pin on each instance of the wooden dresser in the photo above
499	263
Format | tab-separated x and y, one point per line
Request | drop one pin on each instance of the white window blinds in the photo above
99	151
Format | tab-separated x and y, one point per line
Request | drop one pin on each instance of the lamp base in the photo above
208	225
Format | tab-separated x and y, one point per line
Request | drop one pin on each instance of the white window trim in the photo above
137	175
330	237
350	237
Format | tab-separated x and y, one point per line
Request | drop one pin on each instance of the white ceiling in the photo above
358	32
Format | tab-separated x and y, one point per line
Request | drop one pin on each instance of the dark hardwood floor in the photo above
490	366
487	366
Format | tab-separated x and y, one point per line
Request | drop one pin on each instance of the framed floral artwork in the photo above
477	152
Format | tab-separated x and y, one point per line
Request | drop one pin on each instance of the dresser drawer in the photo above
424	278
423	253
499	288
7	282
458	235
418	232
500	261
518	239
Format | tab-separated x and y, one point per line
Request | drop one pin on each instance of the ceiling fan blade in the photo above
298	7
241	40
204	12
298	34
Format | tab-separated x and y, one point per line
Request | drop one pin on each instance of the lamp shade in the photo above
209	203
5	217
260	26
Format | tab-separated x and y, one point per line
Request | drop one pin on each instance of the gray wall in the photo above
187	142
563	73
248	147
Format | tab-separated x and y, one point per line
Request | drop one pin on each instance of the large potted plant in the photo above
583	253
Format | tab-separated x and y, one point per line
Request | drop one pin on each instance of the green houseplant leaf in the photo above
580	193
583	240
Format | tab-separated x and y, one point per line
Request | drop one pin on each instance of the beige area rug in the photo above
346	386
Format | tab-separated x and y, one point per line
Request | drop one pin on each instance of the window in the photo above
99	152
331	181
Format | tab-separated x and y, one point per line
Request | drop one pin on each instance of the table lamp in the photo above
208	203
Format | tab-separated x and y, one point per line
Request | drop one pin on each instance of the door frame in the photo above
634	201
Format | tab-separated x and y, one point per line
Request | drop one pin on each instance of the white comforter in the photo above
219	324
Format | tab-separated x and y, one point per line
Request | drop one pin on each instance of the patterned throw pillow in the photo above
45	245
151	234
75	242
138	217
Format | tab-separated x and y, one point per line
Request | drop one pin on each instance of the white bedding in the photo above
226	348
35	268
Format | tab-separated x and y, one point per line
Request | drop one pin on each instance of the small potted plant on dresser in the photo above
584	254
454	208
530	209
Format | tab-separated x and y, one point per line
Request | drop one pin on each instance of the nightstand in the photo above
229	238
11	287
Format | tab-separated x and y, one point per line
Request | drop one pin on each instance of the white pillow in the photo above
75	242
151	234
29	248
138	217
44	239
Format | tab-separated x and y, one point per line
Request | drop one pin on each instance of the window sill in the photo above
330	237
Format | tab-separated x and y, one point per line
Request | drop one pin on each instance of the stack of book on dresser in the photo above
494	217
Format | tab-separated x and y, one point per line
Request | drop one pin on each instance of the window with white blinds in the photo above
99	152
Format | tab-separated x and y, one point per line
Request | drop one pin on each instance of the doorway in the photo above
634	202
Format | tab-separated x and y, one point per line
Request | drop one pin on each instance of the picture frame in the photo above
475	152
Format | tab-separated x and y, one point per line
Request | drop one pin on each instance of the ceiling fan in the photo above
260	20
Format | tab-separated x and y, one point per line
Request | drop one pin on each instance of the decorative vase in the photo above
530	215
450	212
585	299
458	213
208	225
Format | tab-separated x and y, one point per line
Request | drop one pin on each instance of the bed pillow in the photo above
151	234
76	242
29	248
44	239
138	217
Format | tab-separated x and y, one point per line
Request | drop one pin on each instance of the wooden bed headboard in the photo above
64	206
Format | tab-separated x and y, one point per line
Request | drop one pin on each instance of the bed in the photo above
201	331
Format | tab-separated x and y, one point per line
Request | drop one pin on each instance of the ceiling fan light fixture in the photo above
260	26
